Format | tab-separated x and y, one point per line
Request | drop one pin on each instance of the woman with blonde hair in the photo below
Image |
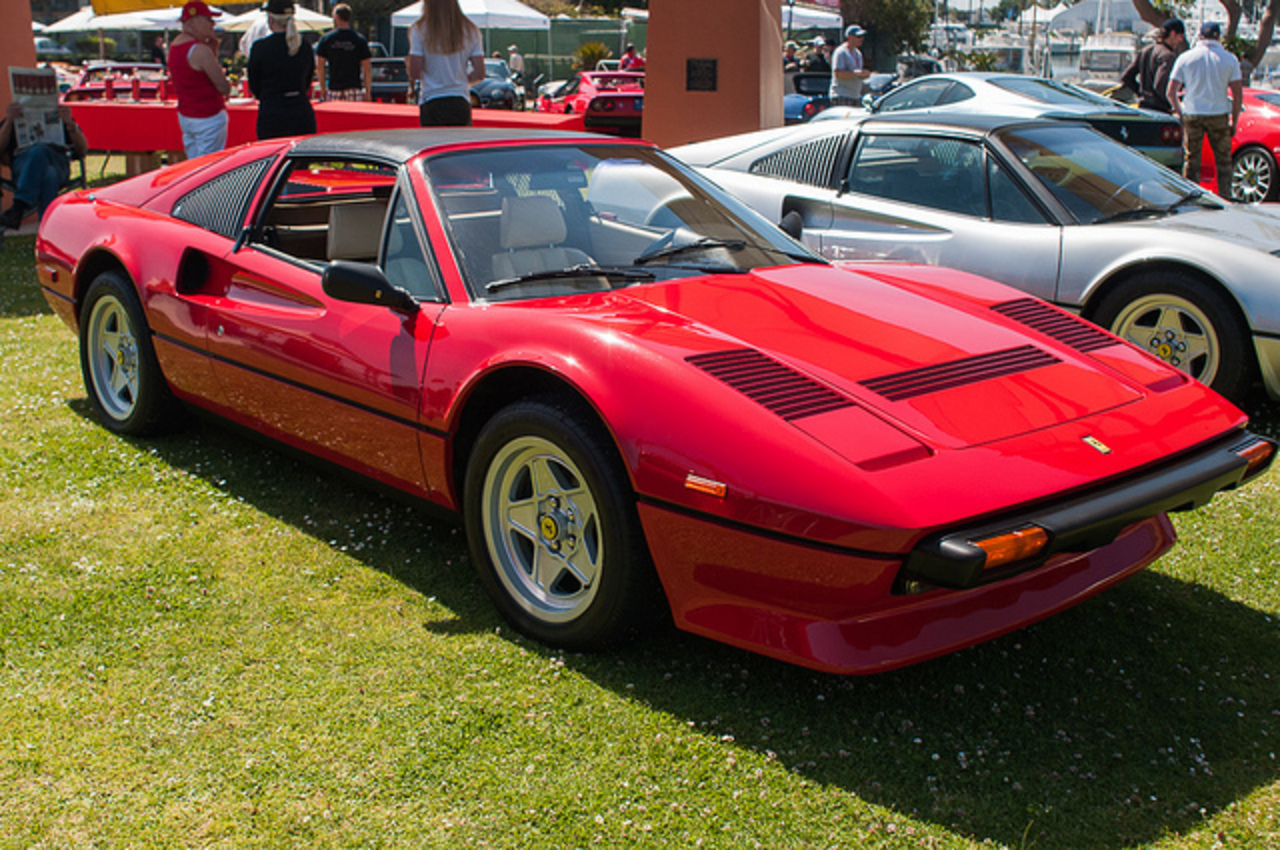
445	55
280	69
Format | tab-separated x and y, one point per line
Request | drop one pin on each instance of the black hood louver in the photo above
779	388
958	373
1065	328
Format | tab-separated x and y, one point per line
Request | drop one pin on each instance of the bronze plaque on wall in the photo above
700	75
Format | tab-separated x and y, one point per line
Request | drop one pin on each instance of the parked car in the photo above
808	98
48	50
1054	208
390	83
639	394
1253	148
1157	135
608	101
498	89
102	80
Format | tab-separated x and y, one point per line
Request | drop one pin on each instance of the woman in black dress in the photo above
281	67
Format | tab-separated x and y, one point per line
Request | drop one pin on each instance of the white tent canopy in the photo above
36	26
805	18
485	14
304	19
148	19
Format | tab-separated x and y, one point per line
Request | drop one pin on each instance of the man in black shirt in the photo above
346	55
1148	74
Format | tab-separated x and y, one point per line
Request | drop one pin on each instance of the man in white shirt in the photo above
1212	92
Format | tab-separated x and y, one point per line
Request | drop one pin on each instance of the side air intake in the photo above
1063	327
958	373
780	388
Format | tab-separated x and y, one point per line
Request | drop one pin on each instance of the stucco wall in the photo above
741	39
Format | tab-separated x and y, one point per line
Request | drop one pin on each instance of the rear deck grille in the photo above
958	373
1063	327
779	388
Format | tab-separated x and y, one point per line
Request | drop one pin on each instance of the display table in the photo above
143	129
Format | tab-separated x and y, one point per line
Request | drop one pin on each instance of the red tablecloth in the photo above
145	126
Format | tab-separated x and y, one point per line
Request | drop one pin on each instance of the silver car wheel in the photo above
113	358
543	529
1253	176
1173	329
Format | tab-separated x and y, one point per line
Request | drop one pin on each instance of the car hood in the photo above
1251	227
951	371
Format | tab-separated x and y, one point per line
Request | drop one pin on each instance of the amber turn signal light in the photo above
1013	546
1257	455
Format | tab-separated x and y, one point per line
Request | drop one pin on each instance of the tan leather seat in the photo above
530	232
355	231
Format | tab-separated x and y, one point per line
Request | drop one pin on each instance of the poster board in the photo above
37	90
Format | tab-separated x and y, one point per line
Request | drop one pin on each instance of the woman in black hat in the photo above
281	67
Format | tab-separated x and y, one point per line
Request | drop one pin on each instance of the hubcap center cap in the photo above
557	527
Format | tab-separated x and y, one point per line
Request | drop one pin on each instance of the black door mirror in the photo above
364	283
792	224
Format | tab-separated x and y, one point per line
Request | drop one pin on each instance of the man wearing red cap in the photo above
199	82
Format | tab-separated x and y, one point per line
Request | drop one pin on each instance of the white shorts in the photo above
203	135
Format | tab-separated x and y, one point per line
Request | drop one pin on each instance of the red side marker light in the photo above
698	484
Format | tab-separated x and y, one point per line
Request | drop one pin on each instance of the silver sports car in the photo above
1053	208
1157	135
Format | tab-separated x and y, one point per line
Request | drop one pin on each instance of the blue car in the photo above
808	98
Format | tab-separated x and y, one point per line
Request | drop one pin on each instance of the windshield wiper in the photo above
702	244
1146	211
1193	197
579	270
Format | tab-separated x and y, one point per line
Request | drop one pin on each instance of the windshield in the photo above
1096	178
551	220
497	69
1052	92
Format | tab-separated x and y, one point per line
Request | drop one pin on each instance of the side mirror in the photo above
792	224
363	283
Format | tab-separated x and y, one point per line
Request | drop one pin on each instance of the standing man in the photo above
631	60
346	54
816	62
516	63
1148	74
1203	76
847	72
199	82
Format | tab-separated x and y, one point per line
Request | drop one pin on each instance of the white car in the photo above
1053	208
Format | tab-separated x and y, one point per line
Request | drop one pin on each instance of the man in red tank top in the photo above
199	82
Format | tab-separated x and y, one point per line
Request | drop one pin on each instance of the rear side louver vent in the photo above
812	163
958	373
1063	327
779	388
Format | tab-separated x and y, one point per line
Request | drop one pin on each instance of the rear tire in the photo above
1253	175
1185	322
553	528
118	363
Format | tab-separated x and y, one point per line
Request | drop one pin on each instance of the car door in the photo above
942	201
342	380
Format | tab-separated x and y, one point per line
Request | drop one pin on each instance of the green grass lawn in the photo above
204	642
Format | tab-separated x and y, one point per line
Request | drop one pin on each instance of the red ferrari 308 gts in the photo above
638	394
611	101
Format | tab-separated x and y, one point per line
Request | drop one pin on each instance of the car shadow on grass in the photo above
1135	715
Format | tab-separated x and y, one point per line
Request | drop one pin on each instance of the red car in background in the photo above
609	101
107	80
1254	150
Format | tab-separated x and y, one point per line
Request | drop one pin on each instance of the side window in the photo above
938	173
956	93
327	209
1008	201
916	96
406	263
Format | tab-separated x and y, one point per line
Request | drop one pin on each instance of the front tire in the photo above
118	363
553	528
1188	324
1253	176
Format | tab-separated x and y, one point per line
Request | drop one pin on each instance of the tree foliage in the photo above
1156	13
892	26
